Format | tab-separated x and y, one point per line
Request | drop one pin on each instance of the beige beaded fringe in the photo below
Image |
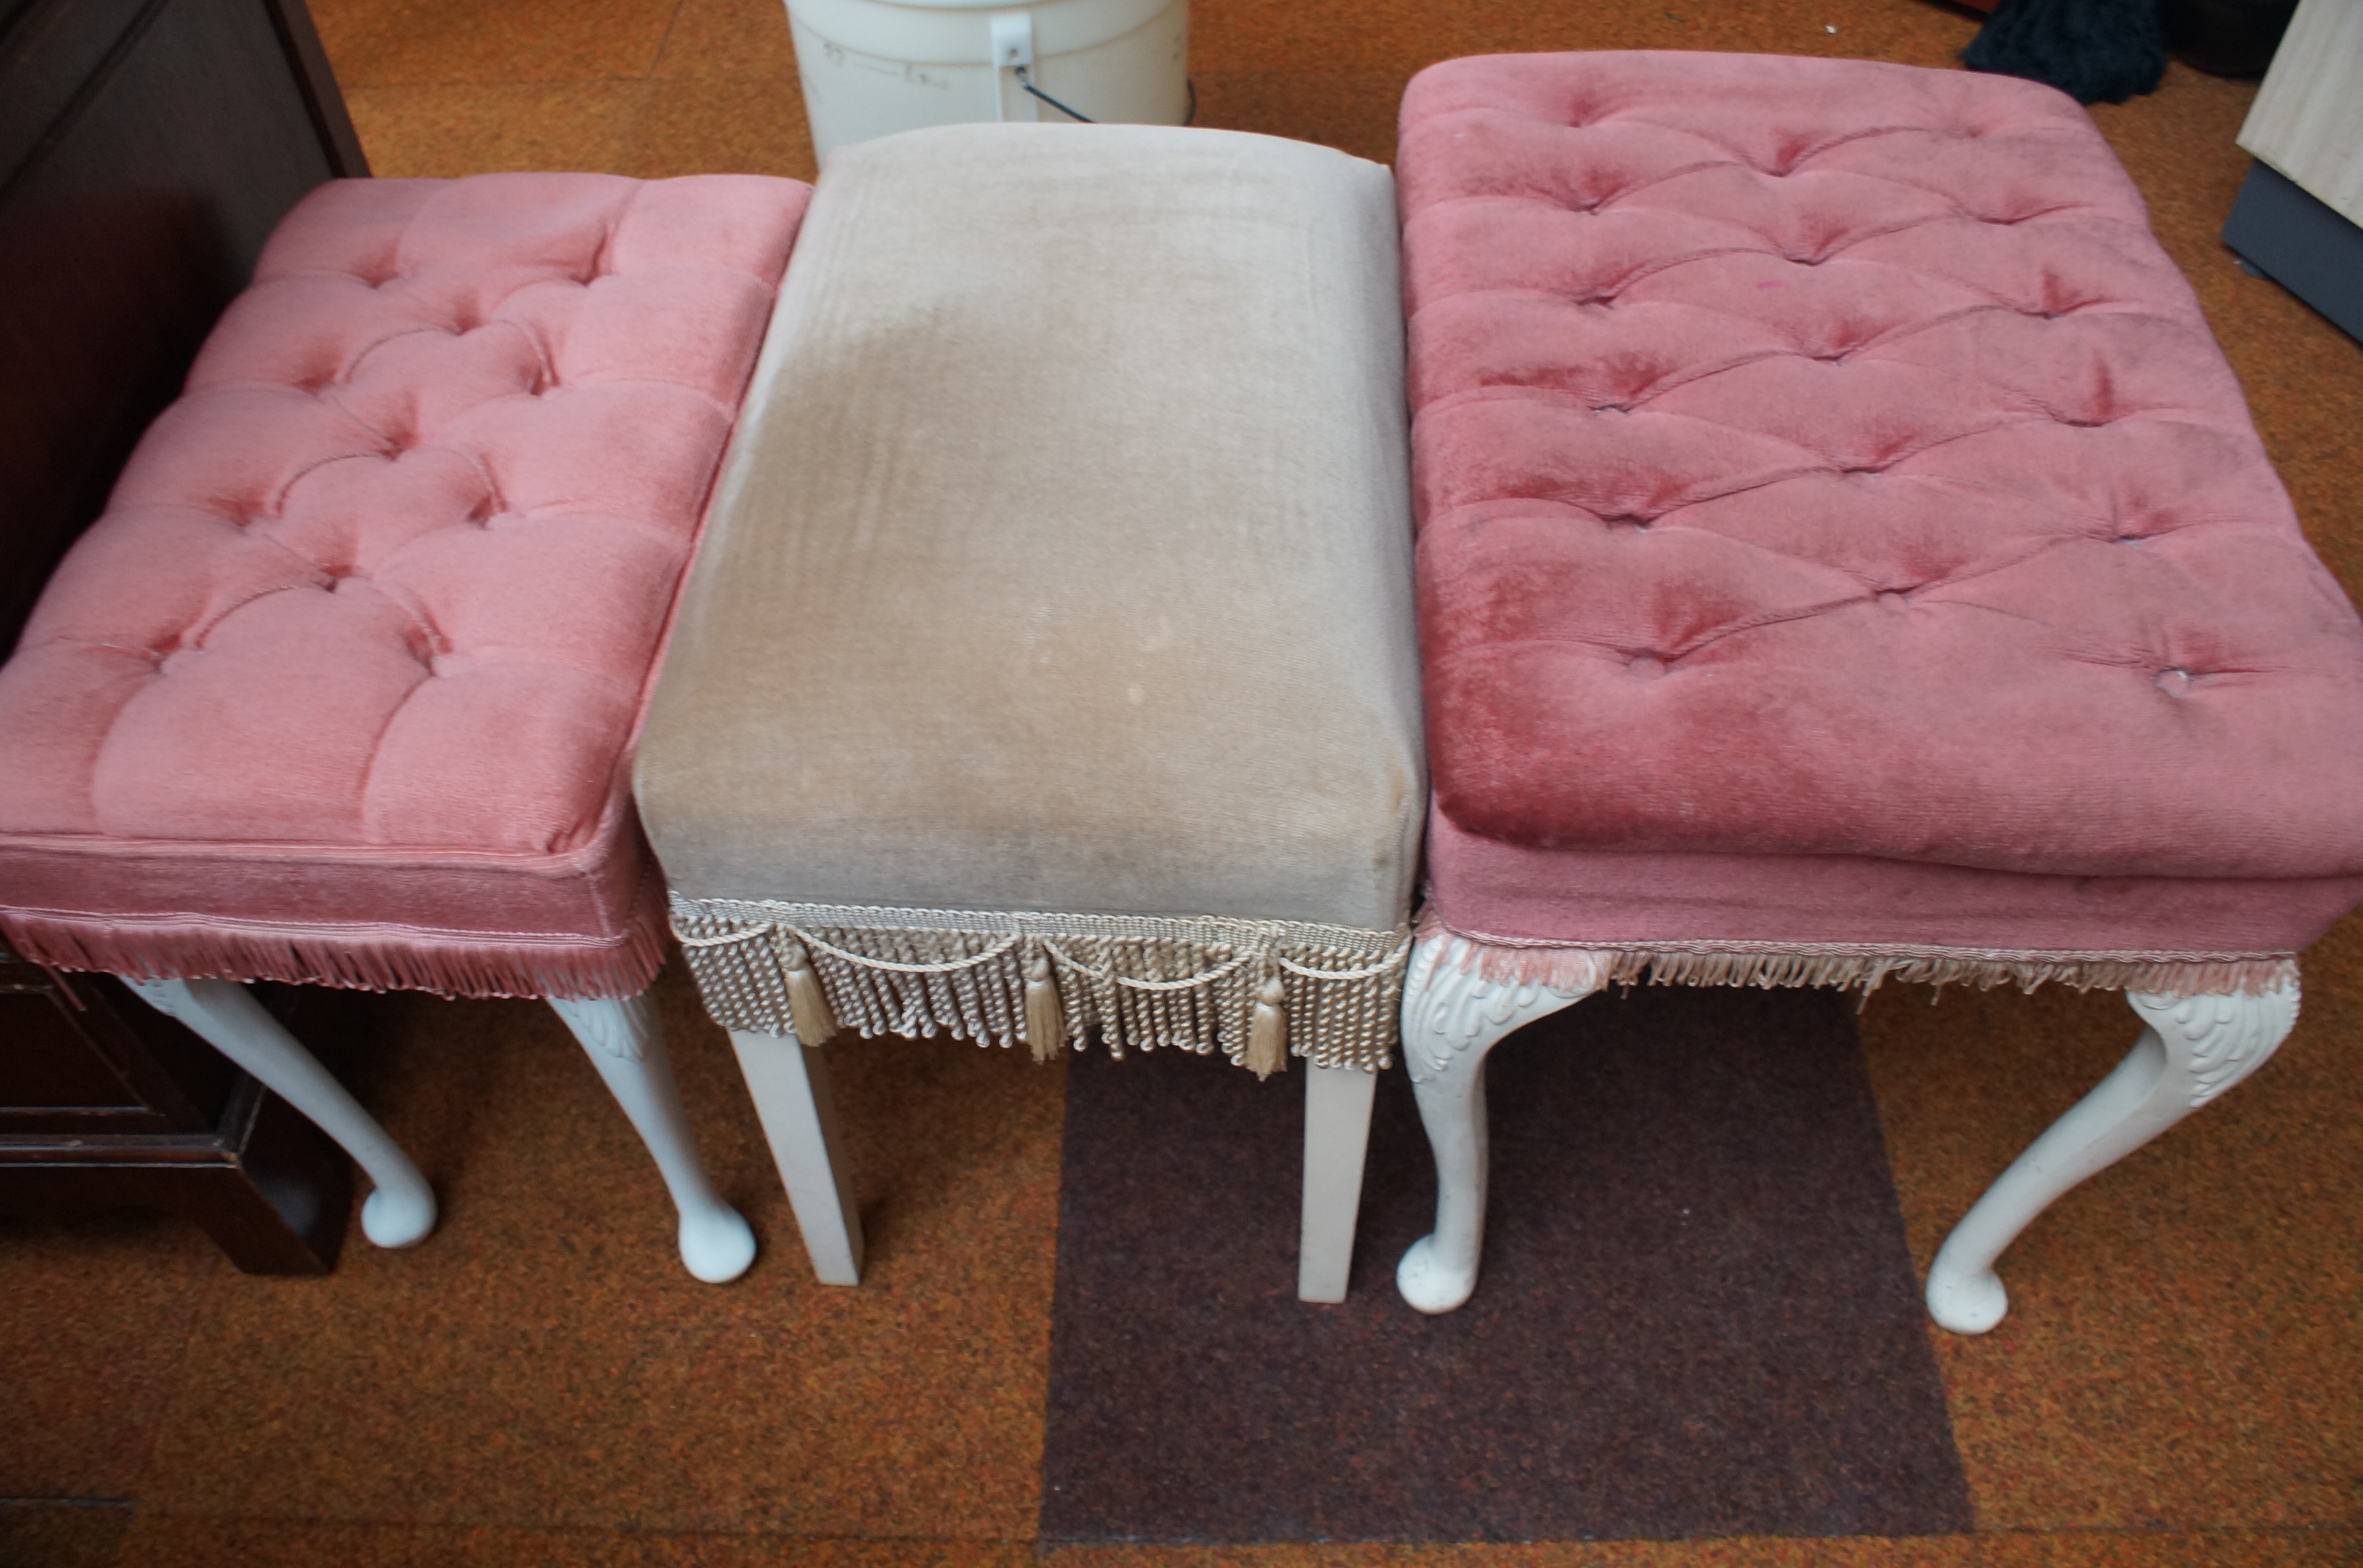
1863	966
1256	991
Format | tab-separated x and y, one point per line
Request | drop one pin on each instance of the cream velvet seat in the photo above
1048	671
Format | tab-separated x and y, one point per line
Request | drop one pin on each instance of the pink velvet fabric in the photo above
1589	898
1819	459
342	685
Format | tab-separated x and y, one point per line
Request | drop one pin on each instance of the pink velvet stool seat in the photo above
1846	556
342	688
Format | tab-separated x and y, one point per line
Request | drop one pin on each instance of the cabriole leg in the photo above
2191	1049
793	1098
1451	1016
624	1040
226	1015
1337	1137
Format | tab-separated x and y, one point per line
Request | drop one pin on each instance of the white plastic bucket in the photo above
874	67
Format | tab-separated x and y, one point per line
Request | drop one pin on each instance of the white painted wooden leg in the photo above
1337	1136
2191	1049
790	1088
226	1015
1451	1016
624	1040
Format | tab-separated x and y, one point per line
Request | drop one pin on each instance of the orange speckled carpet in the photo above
2180	1380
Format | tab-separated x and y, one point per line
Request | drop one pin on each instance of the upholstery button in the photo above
2176	682
1646	667
1891	600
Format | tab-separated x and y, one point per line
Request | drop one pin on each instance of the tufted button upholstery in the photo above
1827	397
381	593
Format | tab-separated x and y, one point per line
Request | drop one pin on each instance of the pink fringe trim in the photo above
351	957
1863	967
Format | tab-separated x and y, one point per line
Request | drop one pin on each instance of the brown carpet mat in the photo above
1698	1316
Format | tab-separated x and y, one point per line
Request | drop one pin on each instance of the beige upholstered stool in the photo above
1047	673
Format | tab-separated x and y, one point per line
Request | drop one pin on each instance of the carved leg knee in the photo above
1451	1016
2191	1049
625	1040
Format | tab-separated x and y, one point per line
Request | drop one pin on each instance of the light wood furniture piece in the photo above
2297	219
2307	121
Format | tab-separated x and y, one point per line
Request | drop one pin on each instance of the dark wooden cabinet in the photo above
106	1103
146	149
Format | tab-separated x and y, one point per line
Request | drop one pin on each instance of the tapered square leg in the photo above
790	1088
1337	1136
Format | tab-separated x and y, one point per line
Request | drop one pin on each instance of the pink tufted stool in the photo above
1844	555
342	688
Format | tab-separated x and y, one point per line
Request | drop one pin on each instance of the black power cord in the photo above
1025	80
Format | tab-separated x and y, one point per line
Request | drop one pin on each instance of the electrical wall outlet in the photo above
1013	41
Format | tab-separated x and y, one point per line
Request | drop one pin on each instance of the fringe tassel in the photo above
1258	991
1268	1034
807	1003
350	957
1863	967
1045	1022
